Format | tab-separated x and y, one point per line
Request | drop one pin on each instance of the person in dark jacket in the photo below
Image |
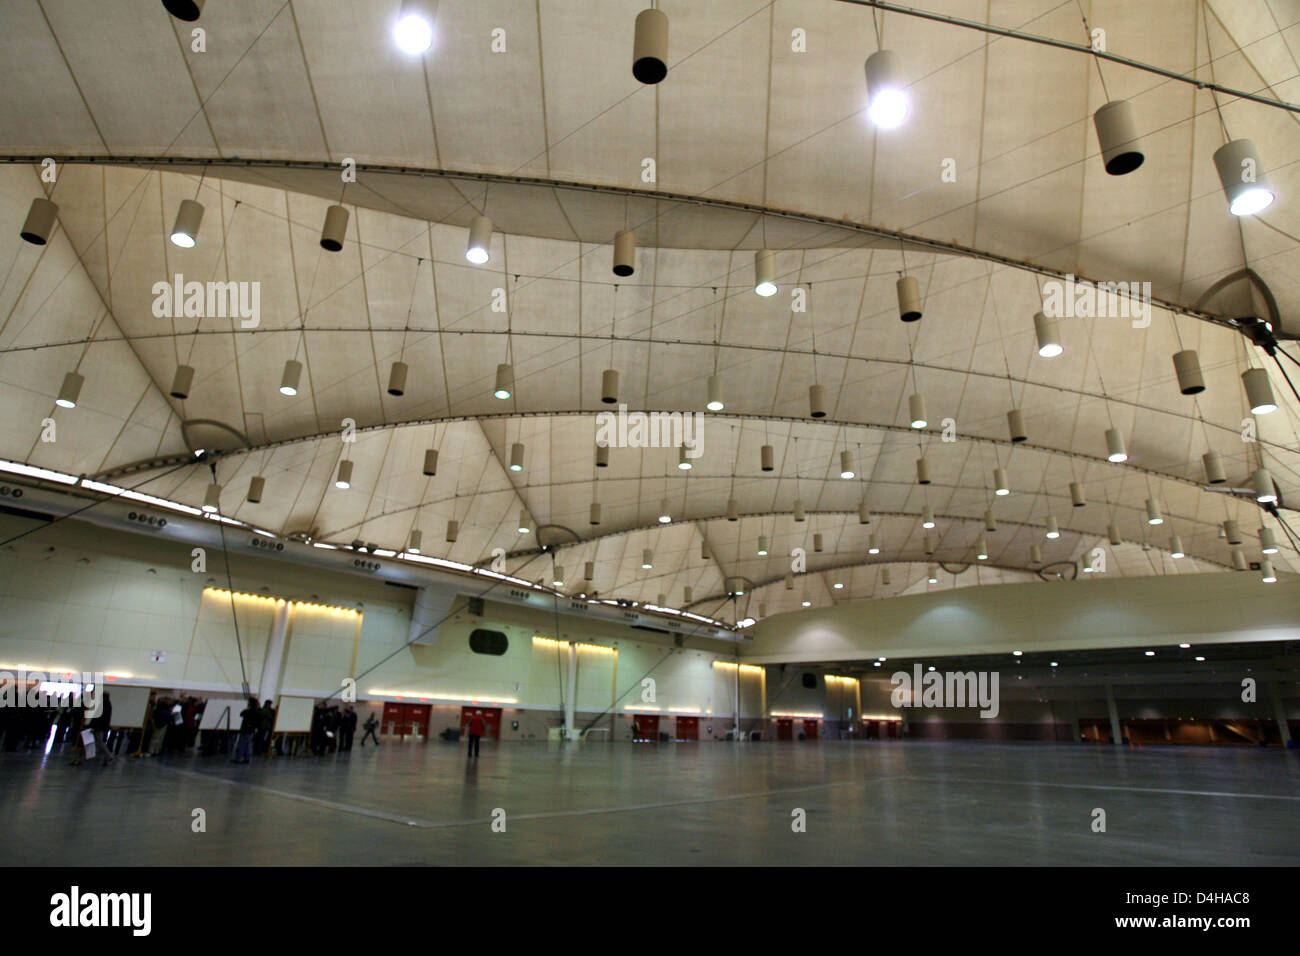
348	728
371	725
100	725
250	721
263	746
318	729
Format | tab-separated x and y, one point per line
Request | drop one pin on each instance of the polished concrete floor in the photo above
866	803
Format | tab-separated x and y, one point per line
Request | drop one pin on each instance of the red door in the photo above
647	727
688	728
417	719
394	723
810	729
785	728
491	720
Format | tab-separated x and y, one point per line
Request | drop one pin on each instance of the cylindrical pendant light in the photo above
453	530
873	543
397	378
1267	541
1176	546
557	577
846	464
909	299
665	517
887	104
185	231
517	456
922	471
1259	393
762	609
187	10
765	273
650	46
1121	150
589	571
927	544
735	587
70	390
1265	491
1239	560
1076	495
933	575
39	223
1112	532
624	253
647	559
688	595
767	458
417	539
505	382
789	582
335	229
609	386
1242	176
1115	450
704	550
525	526
182	381
762	545
1232	532
602	456
413	29
733	510
661	600
927	517
816	401
1153	512
864	513
982	550
684	462
1266	571
817	542
990	522
1187	366
1053	532
798	509
477	249
714	404
1048	335
430	462
256	485
594	513
1016	425
291	377
1035	554
212	499
916	410
344	477
1214	473
1001	486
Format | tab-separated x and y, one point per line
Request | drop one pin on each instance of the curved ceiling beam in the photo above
658	196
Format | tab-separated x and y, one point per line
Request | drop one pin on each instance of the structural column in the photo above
1279	712
1116	732
276	645
570	698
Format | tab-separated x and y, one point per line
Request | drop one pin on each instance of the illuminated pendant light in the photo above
525	527
838	585
873	544
647	559
650	47
1176	546
927	517
602	456
1115	450
1049	337
846	464
413	31
505	383
1259	393
430	462
887	104
1232	532
624	254
982	550
1053	532
416	539
1267	542
1000	484
291	377
1112	532
864	513
1214	473
1265	492
933	575
185	231
335	229
683	460
609	386
212	499
767	458
453	531
344	477
765	273
594	514
397	379
762	545
1016	425
916	410
922	471
70	390
1153	512
1266	571
182	381
1076	495
517	456
1121	150
714	404
256	485
1187	367
805	602
1242	176
187	10
816	401
909	299
664	516
39	222
480	240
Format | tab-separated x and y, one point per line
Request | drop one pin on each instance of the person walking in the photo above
347	728
371	724
250	721
475	730
100	725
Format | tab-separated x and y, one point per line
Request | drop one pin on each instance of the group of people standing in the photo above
333	730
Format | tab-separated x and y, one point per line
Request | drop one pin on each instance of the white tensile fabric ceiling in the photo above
741	121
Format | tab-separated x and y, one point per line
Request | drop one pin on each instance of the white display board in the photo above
293	716
130	704
214	714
